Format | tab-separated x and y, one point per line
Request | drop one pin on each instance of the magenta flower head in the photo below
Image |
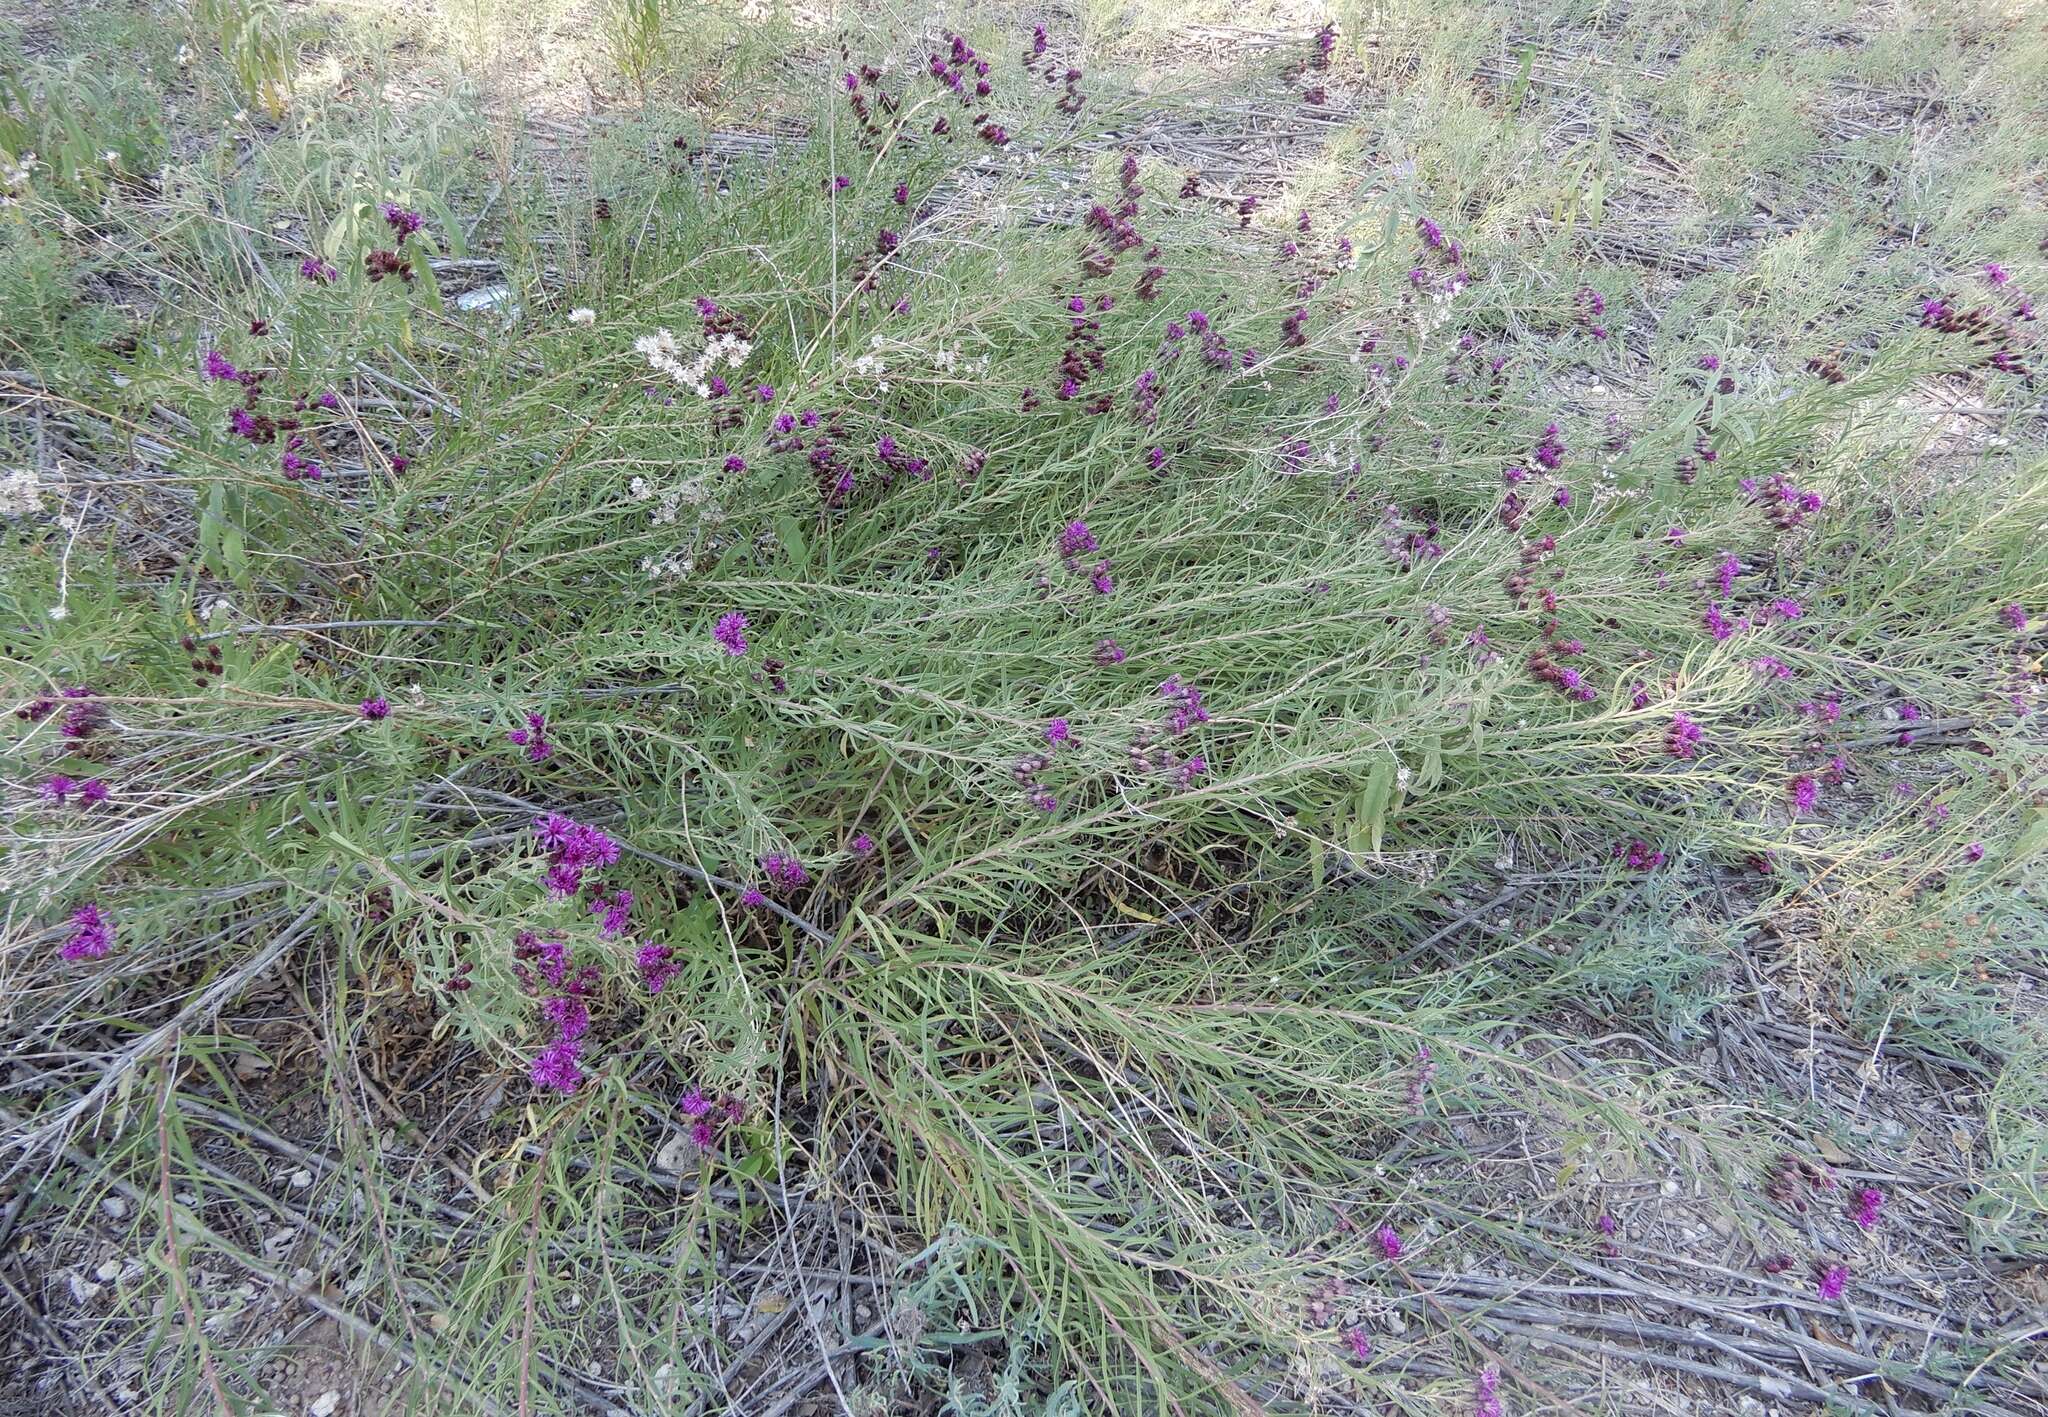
1390	1241
731	632
1108	652
752	897
784	870
1868	1201
218	367
1361	1343
94	934
534	738
58	788
2015	617
1805	792
1486	1393
1057	732
1832	1280
1076	538
317	271
703	1134
556	1068
695	1103
863	845
401	220
93	793
379	707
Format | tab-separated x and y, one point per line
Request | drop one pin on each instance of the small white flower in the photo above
583	315
59	612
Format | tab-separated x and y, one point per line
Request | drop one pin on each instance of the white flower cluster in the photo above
664	356
949	361
21	493
670	501
14	176
671	566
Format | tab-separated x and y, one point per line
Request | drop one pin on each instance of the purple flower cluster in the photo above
1868	1201
1425	1073
731	632
93	935
574	850
543	966
1638	855
708	1117
657	965
1486	1393
1076	540
402	221
784	871
60	788
534	738
1805	793
82	718
1389	1240
1683	738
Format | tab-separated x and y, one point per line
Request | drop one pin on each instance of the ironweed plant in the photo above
960	665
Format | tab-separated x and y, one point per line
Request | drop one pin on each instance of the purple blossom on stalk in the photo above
1390	1241
695	1103
1788	609
92	793
703	1134
612	911
317	271
57	789
379	707
656	967
1805	792
752	897
1361	1344
401	219
94	934
557	1067
1717	623
784	870
2015	617
1486	1393
1995	273
1832	1280
863	844
1058	732
1683	739
1974	851
573	849
218	367
1076	538
731	632
534	738
1108	652
1638	855
1868	1201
